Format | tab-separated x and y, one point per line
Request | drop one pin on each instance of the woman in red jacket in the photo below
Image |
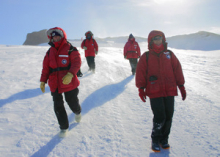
60	66
91	49
132	52
158	74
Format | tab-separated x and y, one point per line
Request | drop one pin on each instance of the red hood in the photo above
89	32
57	29
153	34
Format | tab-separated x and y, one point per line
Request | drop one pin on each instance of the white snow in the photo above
115	122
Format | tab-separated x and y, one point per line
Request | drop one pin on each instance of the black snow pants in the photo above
163	109
133	63
91	62
59	109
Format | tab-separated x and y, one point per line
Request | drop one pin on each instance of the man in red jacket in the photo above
91	49
158	75
132	52
60	66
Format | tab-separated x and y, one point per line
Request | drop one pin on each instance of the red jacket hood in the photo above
89	32
57	29
153	34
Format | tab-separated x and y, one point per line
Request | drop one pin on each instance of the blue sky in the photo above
107	18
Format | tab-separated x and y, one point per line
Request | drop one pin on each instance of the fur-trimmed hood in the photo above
58	30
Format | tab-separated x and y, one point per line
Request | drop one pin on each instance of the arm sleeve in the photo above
96	45
82	44
75	60
141	72
138	51
45	70
177	70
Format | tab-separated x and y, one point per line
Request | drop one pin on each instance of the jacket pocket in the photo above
153	87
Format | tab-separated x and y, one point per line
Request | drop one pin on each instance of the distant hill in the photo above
36	38
202	40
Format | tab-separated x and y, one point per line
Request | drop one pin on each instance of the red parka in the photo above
161	73
58	58
132	49
91	45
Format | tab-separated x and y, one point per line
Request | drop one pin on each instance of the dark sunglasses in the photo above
157	37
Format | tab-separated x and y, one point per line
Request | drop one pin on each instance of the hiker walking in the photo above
60	66
91	50
132	52
158	75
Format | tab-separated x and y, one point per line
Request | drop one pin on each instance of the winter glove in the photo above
67	78
125	57
84	47
142	94
96	52
42	86
182	91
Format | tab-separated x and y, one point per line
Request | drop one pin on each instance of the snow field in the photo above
115	122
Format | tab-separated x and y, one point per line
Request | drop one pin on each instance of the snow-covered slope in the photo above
202	40
115	121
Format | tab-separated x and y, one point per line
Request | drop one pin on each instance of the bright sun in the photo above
168	1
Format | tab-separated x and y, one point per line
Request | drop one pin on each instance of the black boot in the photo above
155	147
165	144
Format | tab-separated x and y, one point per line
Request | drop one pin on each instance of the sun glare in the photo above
168	1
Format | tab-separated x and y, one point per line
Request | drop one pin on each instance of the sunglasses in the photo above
157	37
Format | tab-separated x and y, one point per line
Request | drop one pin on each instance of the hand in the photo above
42	86
142	94
182	91
96	52
84	47
67	78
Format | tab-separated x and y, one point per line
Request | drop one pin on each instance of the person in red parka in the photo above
132	52
91	49
60	66
158	75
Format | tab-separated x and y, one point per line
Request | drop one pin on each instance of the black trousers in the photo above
163	109
91	62
59	109
133	63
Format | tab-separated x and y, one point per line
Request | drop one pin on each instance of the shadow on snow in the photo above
96	99
29	93
104	94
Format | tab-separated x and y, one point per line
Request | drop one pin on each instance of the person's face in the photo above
56	38
157	40
88	36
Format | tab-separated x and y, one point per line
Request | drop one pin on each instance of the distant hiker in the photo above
60	66
132	52
158	75
91	49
